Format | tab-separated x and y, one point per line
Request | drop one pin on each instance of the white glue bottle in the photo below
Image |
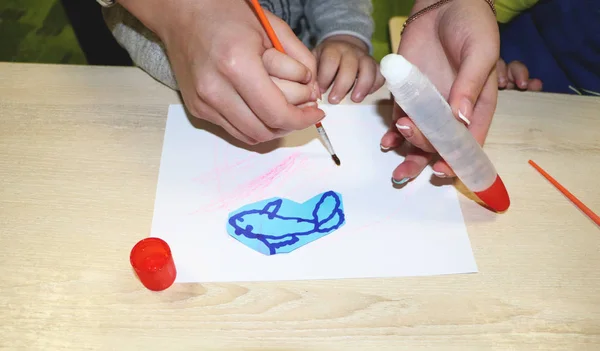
431	113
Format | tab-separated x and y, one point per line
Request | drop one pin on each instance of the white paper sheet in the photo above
389	232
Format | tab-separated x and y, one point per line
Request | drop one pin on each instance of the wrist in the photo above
156	15
350	39
143	10
423	7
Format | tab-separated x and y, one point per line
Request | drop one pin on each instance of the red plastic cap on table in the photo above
495	197
153	263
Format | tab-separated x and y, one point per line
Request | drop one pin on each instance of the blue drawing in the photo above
279	225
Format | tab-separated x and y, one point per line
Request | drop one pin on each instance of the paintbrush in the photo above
586	210
275	41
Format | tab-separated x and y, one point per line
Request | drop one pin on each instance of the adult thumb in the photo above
473	73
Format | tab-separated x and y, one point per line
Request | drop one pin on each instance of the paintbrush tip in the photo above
336	159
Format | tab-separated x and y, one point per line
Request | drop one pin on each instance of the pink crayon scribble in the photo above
246	190
369	225
217	171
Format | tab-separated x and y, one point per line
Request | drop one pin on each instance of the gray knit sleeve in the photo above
144	47
333	17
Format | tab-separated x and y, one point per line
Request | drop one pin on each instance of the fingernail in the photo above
384	147
406	131
314	95
502	80
464	111
401	181
308	104
461	116
334	99
523	84
358	96
440	174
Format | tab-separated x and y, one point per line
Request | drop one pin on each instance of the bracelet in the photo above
435	6
107	3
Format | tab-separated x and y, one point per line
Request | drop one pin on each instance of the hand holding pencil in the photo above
277	44
216	54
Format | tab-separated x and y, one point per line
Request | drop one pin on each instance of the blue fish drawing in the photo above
280	225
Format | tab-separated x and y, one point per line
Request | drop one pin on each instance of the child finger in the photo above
534	85
292	45
367	71
285	67
263	101
379	80
345	78
295	93
329	61
519	74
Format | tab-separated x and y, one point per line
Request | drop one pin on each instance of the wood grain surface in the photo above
79	156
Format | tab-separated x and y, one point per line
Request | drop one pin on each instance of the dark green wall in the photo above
38	30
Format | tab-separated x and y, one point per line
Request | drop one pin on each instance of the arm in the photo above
341	17
222	80
145	48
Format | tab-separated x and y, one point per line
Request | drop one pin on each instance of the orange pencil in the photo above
277	44
594	217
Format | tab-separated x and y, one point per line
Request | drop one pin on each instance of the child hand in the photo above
344	61
516	75
295	78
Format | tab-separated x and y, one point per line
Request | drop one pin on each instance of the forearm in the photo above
143	46
155	14
350	39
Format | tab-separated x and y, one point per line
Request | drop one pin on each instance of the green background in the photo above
39	31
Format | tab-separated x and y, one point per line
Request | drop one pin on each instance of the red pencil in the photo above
277	44
594	217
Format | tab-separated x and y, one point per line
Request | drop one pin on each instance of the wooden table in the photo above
79	157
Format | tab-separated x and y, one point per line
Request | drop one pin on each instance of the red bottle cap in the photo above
495	197
153	263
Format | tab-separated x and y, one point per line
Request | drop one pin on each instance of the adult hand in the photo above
457	47
219	53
